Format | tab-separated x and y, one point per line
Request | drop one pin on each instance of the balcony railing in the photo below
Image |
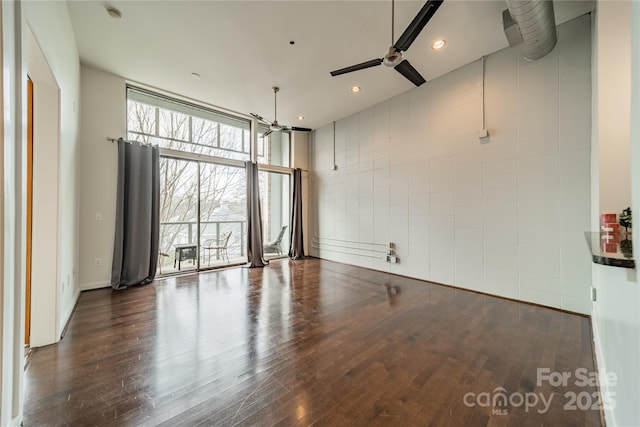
174	233
186	232
192	227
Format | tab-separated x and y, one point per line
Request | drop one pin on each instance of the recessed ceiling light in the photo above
355	89
195	75
438	44
113	12
300	118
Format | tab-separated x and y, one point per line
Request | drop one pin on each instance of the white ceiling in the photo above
241	49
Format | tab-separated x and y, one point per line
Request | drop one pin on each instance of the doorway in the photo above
44	318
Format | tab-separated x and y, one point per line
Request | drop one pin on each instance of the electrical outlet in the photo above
98	261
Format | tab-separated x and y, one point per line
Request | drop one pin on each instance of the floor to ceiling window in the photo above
275	190
203	181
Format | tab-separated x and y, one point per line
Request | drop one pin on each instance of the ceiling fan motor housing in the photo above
392	58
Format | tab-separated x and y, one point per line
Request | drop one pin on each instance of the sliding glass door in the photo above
223	215
202	215
275	200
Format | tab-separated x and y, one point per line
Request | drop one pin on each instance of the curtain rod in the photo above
112	140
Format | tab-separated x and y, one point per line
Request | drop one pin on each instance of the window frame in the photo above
165	99
192	109
254	127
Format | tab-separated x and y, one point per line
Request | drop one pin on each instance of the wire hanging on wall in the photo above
483	105
334	146
483	134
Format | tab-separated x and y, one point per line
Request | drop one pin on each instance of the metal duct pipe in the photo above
537	25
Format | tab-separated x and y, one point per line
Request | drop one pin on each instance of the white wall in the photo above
616	312
12	226
103	116
51	27
505	217
613	107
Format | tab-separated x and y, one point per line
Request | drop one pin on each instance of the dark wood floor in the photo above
305	343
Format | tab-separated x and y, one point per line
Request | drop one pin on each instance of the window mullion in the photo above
157	114
254	141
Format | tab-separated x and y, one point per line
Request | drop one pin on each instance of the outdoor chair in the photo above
276	245
219	245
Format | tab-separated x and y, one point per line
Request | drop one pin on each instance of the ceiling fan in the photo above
275	126
393	58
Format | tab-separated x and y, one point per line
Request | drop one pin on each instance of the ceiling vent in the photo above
532	23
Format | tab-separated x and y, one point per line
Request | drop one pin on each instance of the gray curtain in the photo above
255	250
135	252
296	243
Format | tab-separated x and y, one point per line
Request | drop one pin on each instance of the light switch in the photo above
98	216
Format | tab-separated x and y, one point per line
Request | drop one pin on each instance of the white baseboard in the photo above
69	311
601	368
94	285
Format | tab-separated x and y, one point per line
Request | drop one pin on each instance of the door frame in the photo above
29	219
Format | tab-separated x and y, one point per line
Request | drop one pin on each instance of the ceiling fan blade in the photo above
260	118
416	26
357	67
410	73
267	133
298	129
